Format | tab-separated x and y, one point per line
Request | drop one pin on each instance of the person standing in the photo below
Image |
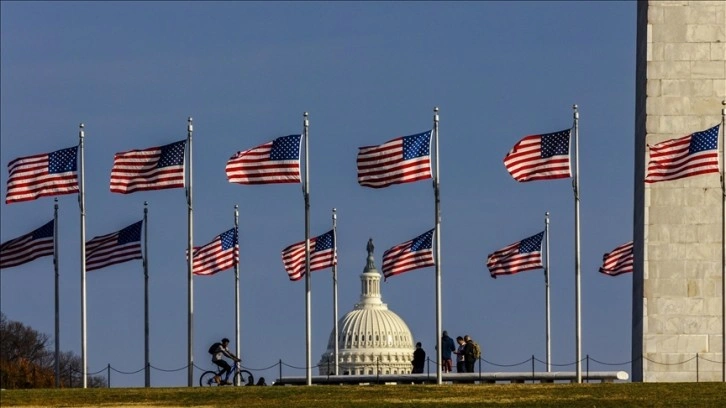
447	346
460	367
419	358
469	354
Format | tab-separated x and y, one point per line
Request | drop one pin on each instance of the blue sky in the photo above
366	72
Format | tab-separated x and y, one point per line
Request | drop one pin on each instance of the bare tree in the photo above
26	361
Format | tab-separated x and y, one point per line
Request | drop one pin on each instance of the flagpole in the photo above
576	188
547	290
723	243
190	260
57	293
147	368
335	288
306	195
82	205
236	285
437	241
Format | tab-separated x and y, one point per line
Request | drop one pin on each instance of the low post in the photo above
587	367
280	377
108	375
532	368
696	367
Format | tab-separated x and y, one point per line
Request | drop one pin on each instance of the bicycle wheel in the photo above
207	379
244	377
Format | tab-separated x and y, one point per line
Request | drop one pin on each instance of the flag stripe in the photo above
154	168
389	163
687	156
322	255
260	165
540	157
42	175
28	247
618	261
410	255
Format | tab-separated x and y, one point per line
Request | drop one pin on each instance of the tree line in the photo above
27	361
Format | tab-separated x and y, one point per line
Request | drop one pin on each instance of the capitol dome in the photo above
371	338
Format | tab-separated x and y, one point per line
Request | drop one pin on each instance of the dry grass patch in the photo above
379	396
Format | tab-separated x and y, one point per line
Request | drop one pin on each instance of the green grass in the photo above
373	396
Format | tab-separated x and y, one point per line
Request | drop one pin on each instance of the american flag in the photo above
27	247
517	257
220	254
277	161
41	175
684	157
402	160
114	248
540	157
322	255
619	260
155	168
410	255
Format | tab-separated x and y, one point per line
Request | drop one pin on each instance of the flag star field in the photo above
172	154
531	244
228	239
554	144
63	160
286	148
705	140
416	145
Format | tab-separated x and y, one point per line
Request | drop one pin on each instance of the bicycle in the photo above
207	377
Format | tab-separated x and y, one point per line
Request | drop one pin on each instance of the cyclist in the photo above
219	351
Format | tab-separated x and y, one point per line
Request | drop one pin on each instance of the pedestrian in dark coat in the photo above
419	359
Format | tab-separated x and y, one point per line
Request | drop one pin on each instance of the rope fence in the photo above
482	364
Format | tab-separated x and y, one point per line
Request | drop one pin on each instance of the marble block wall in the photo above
678	288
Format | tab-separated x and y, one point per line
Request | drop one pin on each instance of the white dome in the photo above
371	338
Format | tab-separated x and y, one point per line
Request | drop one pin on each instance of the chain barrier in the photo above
169	371
295	367
611	364
73	370
560	365
506	365
710	361
670	364
481	361
261	369
124	372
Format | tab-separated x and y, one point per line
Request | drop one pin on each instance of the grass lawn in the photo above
372	396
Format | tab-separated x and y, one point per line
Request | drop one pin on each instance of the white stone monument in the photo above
678	287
